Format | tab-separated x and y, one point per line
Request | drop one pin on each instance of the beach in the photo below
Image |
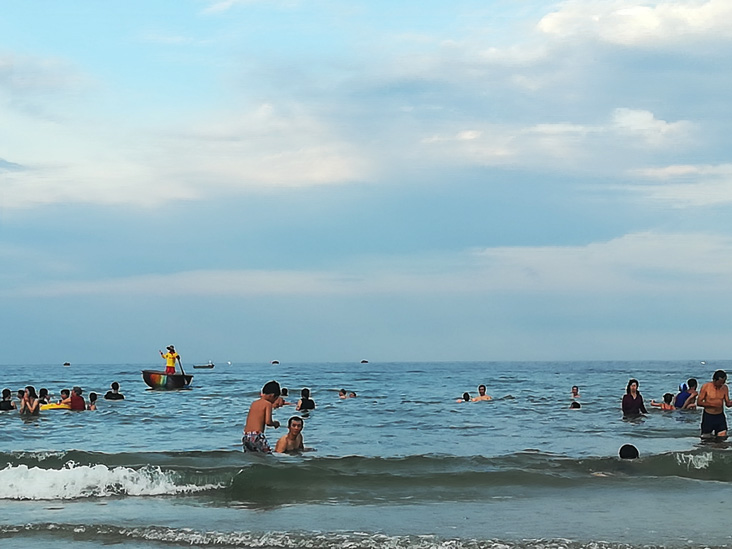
401	465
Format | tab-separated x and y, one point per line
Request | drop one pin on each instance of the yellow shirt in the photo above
170	359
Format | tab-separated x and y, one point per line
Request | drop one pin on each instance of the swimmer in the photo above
628	451
305	403
292	442
114	393
466	398
575	405
667	403
259	416
481	394
713	397
575	391
342	394
92	402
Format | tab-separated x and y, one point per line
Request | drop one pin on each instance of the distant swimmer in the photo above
259	416
114	393
170	357
713	397
7	402
342	394
575	391
92	402
305	403
352	394
43	396
667	403
280	402
481	394
465	398
633	401
292	442
575	405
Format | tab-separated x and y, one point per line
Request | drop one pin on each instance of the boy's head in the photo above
272	389
692	383
295	421
667	398
305	393
466	397
65	393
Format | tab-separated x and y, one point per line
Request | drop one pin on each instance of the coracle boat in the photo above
209	365
160	380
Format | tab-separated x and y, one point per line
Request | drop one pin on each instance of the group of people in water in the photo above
28	402
259	418
711	398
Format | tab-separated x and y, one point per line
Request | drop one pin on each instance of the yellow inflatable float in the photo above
53	406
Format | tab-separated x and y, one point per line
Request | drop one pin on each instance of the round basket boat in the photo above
160	380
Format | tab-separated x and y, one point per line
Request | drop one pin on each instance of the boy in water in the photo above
292	442
259	416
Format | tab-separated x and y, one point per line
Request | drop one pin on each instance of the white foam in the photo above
82	481
699	461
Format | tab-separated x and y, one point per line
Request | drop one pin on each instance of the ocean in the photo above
402	465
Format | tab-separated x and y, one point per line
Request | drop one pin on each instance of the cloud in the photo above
685	186
641	263
632	23
566	146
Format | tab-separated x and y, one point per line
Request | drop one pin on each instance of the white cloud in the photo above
633	23
684	186
641	263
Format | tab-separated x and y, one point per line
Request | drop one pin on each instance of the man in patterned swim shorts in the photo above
259	416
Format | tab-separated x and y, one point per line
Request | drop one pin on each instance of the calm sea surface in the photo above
402	465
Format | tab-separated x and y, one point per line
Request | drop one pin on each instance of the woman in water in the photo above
30	404
633	400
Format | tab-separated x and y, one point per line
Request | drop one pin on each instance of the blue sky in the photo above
332	181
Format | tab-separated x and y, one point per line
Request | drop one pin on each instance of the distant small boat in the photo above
209	365
67	363
275	362
160	380
364	362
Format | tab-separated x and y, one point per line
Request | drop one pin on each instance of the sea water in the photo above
402	465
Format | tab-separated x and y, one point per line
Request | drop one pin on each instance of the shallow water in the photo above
401	465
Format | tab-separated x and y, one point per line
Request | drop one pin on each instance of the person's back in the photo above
114	394
7	403
77	401
305	402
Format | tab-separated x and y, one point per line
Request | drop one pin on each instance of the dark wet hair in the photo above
719	374
92	397
32	391
20	393
6	393
628	451
575	404
295	418
305	392
481	386
667	398
284	392
466	396
65	393
115	386
43	392
271	388
77	390
627	389
692	382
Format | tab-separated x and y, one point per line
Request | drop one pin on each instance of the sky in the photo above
316	180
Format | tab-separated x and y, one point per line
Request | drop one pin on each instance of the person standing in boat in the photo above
170	357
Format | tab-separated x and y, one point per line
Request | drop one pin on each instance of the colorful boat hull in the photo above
160	380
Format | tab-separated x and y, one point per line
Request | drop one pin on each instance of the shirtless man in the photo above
292	442
481	394
713	397
260	415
